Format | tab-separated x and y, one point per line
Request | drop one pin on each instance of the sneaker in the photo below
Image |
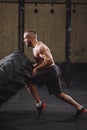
79	112
39	109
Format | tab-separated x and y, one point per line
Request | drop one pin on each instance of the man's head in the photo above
29	37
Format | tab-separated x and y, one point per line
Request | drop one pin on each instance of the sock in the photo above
80	107
38	104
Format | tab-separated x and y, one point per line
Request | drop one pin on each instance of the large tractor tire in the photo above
15	71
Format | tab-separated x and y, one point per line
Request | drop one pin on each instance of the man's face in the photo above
27	39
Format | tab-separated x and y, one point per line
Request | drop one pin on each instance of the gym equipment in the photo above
15	71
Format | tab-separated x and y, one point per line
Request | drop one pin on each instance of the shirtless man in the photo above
45	71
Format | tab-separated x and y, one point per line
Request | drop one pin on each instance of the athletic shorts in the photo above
49	77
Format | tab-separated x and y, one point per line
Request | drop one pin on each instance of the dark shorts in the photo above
49	77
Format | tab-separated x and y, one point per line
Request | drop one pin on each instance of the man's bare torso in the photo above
42	53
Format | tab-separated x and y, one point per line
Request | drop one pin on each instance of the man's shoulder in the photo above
40	42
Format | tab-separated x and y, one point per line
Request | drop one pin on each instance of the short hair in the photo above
31	32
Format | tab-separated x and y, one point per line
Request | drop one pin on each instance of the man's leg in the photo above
33	90
71	101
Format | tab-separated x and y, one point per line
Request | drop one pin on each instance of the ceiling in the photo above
47	1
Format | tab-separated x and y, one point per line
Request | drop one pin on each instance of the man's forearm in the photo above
37	64
43	64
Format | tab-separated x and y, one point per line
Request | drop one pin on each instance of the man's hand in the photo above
35	64
34	71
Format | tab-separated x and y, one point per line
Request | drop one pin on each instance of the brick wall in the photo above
50	28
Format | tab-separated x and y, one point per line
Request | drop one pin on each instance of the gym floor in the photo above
19	112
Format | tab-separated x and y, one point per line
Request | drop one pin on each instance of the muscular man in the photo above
46	72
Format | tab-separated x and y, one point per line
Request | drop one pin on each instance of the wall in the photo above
8	28
79	34
50	28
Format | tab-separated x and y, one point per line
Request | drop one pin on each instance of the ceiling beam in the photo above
42	2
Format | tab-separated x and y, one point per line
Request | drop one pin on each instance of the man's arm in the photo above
46	58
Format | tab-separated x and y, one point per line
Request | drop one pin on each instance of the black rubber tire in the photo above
15	71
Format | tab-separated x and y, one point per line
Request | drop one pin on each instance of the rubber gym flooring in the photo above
19	112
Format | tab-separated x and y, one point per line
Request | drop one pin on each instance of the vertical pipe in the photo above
21	10
23	19
68	40
19	25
